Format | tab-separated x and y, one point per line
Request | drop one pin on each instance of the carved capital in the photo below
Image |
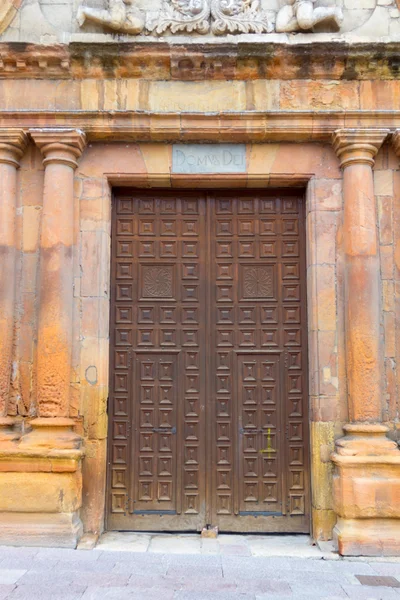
60	146
396	141
12	145
358	146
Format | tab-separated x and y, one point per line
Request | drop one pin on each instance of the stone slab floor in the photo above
127	566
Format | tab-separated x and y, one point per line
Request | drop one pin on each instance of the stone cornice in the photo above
247	126
13	142
59	145
194	61
358	145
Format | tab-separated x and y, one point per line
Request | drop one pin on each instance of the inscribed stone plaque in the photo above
208	158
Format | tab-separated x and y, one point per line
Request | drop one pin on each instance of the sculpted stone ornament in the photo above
184	15
301	15
238	16
118	17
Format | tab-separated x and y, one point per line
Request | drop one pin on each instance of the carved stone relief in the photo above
184	15
8	10
221	17
238	16
302	15
120	16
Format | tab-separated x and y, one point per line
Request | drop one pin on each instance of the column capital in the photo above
396	142
59	145
12	145
358	146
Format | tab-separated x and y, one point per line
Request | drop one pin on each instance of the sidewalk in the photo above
168	567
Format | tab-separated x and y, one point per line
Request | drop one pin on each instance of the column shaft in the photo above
357	149
12	145
61	150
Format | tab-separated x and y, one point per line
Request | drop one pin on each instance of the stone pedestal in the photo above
367	463
40	477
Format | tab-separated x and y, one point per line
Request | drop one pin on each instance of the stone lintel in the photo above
355	146
59	145
13	142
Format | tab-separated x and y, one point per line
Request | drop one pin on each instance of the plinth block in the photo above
369	537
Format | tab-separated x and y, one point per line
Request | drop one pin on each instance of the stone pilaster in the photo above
12	146
367	462
61	148
41	476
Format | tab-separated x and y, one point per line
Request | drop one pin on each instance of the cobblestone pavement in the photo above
163	567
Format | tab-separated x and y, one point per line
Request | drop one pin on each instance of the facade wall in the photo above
100	165
101	111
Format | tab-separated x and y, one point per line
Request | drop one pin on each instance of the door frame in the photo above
314	166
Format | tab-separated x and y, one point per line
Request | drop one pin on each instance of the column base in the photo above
40	529
366	488
41	486
367	537
50	433
8	434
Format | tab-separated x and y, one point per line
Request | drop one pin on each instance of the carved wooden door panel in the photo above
259	362
207	411
157	468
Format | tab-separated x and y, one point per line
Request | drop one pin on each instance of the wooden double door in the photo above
208	380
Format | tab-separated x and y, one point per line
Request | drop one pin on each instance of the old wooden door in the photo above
208	378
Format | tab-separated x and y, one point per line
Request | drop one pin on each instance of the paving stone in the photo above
131	557
124	593
27	563
134	567
318	565
126	542
263	585
357	568
255	563
46	592
69	577
189	595
175	545
11	551
318	591
5	590
84	566
225	538
235	550
195	560
392	569
210	546
66	554
10	576
365	592
201	571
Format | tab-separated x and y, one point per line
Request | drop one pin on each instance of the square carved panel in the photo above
257	281
157	281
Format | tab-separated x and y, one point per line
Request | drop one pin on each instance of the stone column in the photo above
61	149
367	476
12	146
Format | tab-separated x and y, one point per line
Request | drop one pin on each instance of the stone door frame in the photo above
315	169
